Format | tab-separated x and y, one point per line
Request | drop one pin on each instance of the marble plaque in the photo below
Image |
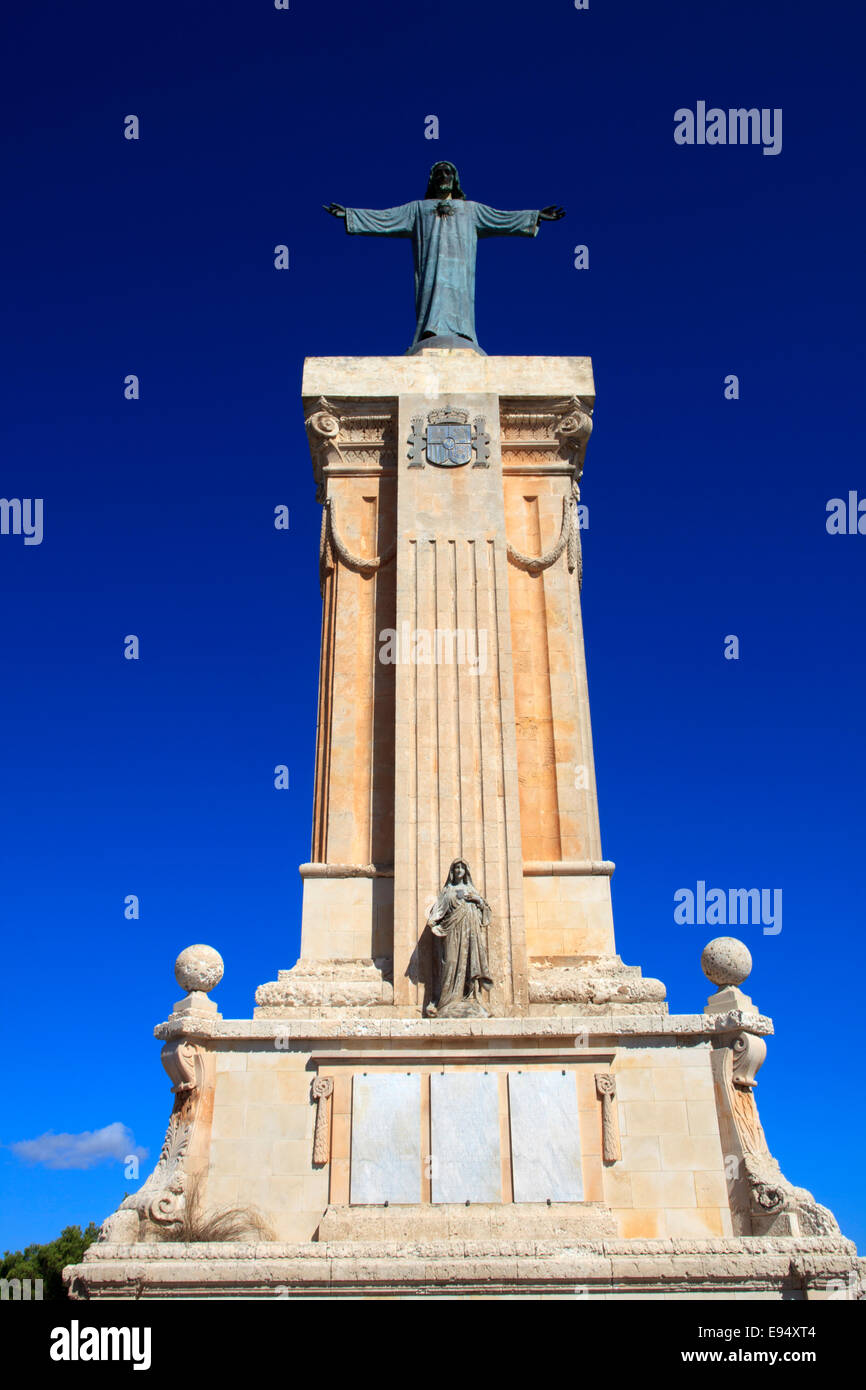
386	1138
465	1164
545	1136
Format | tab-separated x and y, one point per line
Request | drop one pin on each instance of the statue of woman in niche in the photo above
458	919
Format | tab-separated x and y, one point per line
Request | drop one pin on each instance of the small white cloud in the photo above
113	1144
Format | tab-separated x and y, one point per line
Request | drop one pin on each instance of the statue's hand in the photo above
551	214
335	209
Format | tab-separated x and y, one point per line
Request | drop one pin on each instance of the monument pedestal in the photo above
570	1138
600	1156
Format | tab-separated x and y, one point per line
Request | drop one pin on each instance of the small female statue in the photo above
458	920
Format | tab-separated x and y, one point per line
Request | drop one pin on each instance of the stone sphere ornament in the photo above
199	968
726	961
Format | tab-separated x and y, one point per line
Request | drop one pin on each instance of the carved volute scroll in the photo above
605	1087
183	1062
158	1205
573	428
747	1053
322	1092
323	427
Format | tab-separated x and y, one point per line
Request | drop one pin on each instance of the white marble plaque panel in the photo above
465	1164
386	1138
545	1136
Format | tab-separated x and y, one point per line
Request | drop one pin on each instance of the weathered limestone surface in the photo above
747	1268
579	1141
669	1179
447	370
654	1028
490	757
478	1221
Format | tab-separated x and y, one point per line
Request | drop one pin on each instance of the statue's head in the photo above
459	872
444	181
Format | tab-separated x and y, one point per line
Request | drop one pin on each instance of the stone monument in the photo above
459	1086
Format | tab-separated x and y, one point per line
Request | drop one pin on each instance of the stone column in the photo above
467	733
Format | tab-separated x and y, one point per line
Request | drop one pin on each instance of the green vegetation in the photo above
46	1262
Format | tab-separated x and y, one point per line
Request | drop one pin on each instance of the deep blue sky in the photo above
707	517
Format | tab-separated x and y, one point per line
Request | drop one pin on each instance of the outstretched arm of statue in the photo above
398	221
335	209
551	214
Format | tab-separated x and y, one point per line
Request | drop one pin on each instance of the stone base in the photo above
478	1221
470	1007
339	988
726	999
455	341
318	988
745	1268
600	982
626	1121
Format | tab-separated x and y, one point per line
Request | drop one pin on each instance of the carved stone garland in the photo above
325	427
570	423
569	538
331	543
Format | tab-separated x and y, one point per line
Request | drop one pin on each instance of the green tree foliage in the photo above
46	1262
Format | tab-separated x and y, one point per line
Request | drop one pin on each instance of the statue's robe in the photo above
459	926
444	249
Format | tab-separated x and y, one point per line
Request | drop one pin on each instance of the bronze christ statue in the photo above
444	228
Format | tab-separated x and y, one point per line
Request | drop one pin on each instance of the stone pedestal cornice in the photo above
805	1268
636	1028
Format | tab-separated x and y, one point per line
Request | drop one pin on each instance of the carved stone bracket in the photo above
748	1054
546	434
324	426
573	428
763	1201
160	1202
353	436
322	1092
182	1060
777	1207
605	1087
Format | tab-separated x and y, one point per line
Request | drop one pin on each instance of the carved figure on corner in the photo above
459	919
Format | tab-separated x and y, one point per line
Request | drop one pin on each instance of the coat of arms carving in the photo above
447	439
